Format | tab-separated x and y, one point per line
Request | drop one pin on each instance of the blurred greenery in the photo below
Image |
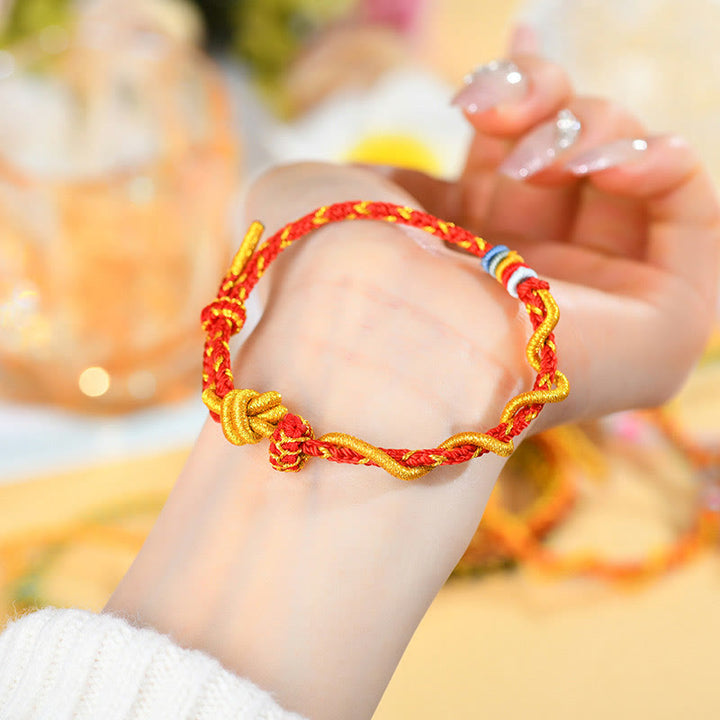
28	17
266	34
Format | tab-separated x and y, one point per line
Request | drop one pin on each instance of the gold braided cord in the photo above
480	440
375	455
540	337
248	416
537	397
247	247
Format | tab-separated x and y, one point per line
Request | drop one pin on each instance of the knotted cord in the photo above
248	416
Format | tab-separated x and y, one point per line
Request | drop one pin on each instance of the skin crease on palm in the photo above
311	586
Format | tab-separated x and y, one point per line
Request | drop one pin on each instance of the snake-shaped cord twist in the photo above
248	416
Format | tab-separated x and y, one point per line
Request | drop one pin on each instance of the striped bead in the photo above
492	257
512	258
520	275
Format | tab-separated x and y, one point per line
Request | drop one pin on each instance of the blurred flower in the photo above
403	15
405	119
117	172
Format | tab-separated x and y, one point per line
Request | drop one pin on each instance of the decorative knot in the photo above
246	416
286	445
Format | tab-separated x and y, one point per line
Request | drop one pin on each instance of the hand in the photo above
631	250
311	585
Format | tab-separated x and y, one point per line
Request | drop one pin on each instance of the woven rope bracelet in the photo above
248	416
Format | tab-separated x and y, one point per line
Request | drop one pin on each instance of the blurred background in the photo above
128	130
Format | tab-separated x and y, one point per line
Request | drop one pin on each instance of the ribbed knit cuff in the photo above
74	664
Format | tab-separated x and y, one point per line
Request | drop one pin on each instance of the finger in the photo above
469	204
680	200
503	100
506	98
538	214
610	224
538	197
542	155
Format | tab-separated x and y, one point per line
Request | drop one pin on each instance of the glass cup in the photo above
118	167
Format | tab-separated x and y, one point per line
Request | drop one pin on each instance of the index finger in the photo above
683	210
505	98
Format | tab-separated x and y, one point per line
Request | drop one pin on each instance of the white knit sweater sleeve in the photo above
63	664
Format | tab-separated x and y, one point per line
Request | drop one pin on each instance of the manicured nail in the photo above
498	82
541	147
606	156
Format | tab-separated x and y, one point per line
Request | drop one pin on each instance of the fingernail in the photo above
490	85
606	156
541	147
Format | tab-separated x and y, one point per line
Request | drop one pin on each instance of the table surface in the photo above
509	644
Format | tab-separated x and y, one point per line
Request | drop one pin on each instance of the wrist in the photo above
287	578
334	566
247	415
354	345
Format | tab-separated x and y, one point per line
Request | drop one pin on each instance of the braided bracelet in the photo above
248	416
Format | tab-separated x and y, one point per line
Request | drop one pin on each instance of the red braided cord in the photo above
225	316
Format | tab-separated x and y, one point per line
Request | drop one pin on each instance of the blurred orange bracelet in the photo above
248	416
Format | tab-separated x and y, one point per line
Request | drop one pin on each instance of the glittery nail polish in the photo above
540	148
608	155
490	85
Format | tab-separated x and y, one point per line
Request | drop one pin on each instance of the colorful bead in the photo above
512	258
247	416
491	254
520	275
